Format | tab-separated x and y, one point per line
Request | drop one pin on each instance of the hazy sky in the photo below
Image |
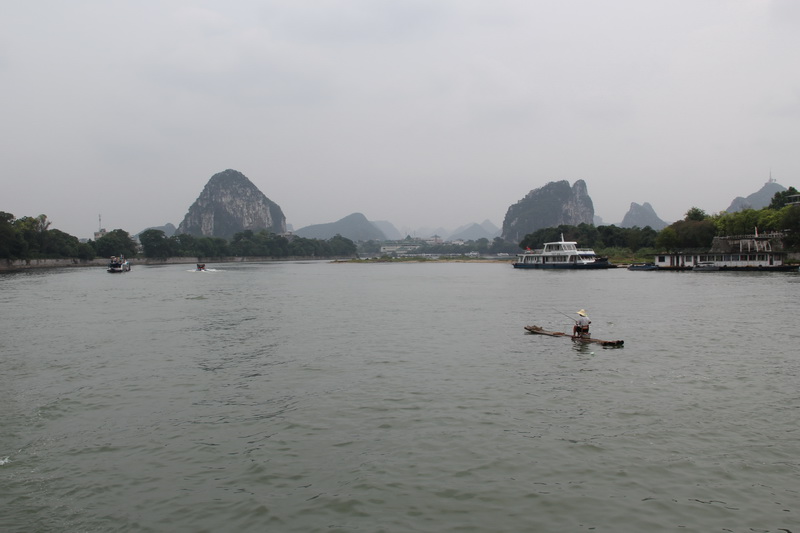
419	112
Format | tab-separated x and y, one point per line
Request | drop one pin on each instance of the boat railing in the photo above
541	251
768	235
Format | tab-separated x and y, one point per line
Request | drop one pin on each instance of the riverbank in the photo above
28	264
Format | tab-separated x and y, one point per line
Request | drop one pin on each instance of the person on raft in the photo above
581	327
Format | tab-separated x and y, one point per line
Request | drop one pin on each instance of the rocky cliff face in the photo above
642	216
229	204
552	205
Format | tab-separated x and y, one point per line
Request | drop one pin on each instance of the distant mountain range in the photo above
355	227
473	232
231	203
388	229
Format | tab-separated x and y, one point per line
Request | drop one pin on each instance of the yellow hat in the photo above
582	312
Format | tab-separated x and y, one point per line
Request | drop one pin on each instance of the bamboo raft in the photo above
541	331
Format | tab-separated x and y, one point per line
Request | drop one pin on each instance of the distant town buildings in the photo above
399	247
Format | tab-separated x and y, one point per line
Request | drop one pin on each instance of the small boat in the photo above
201	267
705	266
584	338
642	266
562	254
118	264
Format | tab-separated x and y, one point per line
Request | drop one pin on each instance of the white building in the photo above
738	252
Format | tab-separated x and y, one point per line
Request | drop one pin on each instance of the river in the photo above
318	397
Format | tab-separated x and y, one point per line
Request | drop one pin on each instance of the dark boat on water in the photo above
118	264
705	266
643	266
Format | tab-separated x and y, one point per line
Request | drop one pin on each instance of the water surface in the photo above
306	397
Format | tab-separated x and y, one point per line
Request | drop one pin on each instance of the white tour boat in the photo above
562	254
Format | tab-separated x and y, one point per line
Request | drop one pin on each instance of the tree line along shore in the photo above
29	241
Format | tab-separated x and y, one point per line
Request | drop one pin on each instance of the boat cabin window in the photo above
560	247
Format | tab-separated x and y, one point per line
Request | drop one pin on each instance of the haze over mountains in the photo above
230	203
642	216
759	199
355	227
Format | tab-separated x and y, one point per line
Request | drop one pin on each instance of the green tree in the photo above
342	246
770	220
155	244
243	244
185	245
687	234
212	247
696	214
638	238
612	237
370	247
667	239
500	246
60	244
12	245
31	237
587	235
33	231
600	238
117	242
300	246
779	199
743	222
537	239
790	221
482	245
261	244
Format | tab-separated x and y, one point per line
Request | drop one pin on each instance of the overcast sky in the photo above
419	112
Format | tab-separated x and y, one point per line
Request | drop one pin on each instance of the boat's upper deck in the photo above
563	246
